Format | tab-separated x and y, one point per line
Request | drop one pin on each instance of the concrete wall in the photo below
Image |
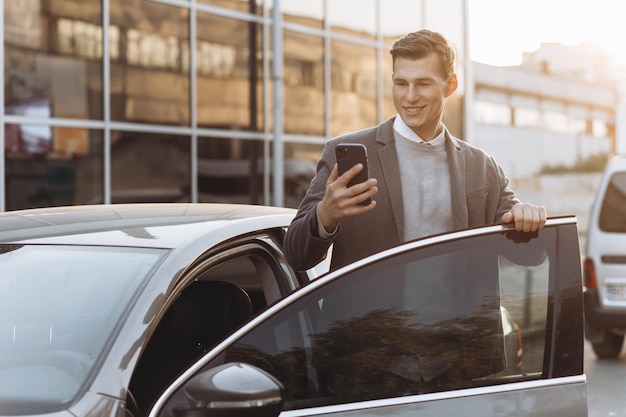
523	152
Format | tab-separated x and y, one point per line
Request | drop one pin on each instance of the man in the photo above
423	180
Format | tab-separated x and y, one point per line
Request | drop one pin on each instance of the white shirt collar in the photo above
405	131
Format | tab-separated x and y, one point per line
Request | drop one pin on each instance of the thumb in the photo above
334	174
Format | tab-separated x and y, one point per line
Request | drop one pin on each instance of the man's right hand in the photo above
340	201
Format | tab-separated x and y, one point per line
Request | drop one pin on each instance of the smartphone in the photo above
348	155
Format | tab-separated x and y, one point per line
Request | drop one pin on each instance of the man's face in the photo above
419	93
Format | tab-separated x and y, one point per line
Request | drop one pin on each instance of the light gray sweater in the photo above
426	190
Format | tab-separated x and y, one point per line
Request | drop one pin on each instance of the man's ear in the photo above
453	83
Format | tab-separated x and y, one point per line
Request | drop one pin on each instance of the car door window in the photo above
465	313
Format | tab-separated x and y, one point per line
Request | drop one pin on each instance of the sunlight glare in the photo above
500	31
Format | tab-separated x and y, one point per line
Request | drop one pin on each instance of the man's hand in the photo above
340	202
527	217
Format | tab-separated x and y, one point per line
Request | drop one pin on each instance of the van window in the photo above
612	213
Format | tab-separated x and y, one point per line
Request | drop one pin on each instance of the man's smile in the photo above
412	110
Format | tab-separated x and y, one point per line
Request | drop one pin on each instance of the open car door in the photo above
488	320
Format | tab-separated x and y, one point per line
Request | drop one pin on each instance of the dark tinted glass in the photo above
447	317
150	168
52	166
226	167
613	211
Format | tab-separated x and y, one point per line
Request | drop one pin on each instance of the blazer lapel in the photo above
389	170
456	159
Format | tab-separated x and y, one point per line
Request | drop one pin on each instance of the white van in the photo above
605	263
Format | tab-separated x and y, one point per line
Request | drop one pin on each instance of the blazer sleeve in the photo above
302	245
507	197
488	190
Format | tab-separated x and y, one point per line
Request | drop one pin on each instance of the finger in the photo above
514	216
363	187
351	173
538	218
356	209
543	216
529	218
369	192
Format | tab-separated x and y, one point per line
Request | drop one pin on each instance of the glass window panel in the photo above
230	73
148	167
310	12
225	168
388	108
353	17
399	17
492	113
576	125
447	17
599	128
304	84
53	51
353	87
150	80
555	121
300	163
612	213
52	166
527	117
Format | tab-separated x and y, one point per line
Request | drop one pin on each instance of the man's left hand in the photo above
527	217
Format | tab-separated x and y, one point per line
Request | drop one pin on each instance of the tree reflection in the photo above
384	354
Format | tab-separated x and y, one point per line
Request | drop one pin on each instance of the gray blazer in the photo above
480	196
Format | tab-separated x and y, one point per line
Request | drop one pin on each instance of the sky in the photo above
501	30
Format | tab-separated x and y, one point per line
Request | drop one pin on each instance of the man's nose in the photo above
412	93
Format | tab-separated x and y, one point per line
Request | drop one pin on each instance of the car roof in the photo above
164	225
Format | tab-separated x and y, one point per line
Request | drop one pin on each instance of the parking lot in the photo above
605	385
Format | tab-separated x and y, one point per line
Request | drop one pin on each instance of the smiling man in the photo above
423	180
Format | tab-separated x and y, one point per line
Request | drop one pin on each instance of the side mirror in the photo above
233	390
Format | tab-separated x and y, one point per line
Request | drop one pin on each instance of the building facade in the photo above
195	100
532	122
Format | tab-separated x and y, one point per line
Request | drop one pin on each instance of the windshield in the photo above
58	307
